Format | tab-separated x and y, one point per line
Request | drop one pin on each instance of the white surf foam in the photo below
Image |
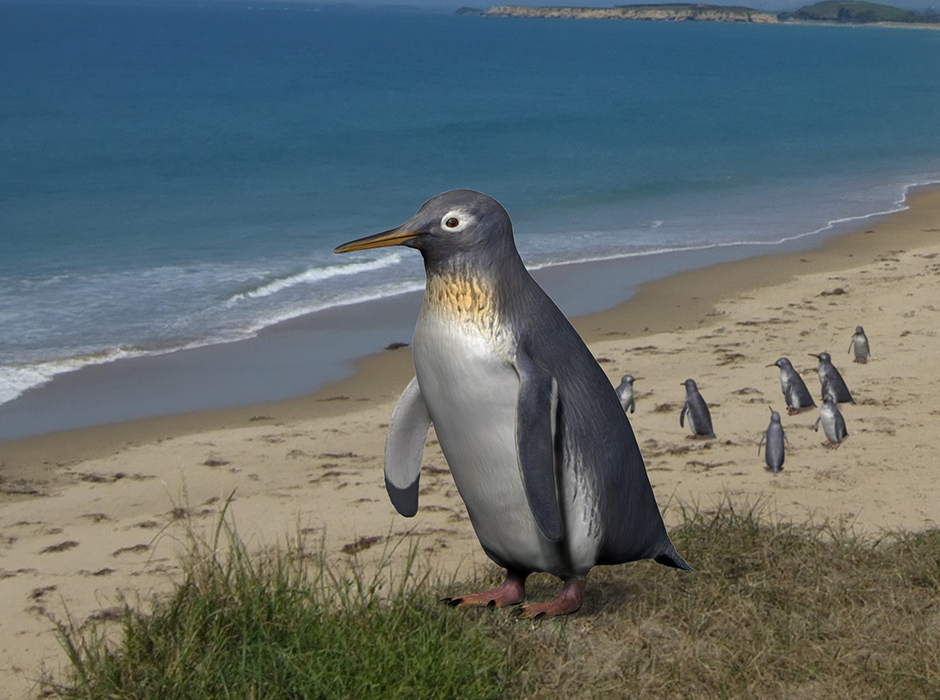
316	274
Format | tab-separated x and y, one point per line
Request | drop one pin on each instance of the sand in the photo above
90	516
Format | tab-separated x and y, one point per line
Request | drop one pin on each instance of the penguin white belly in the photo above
829	426
789	396
471	392
690	416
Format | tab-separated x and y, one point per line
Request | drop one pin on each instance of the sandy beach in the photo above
93	515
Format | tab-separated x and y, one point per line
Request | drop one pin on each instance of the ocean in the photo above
174	176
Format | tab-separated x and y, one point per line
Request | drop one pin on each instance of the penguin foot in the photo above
792	411
826	443
565	603
835	445
511	592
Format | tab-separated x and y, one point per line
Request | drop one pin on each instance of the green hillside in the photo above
853	11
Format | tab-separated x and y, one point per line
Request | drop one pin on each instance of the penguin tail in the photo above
670	557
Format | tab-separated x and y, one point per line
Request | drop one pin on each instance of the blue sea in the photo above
175	175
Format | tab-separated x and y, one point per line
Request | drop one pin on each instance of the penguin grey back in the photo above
831	382
593	431
793	387
700	419
775	453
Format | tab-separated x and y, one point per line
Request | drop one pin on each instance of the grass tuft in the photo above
773	610
284	625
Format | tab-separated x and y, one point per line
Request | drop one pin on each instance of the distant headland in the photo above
828	11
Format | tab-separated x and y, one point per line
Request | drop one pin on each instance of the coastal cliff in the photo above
673	13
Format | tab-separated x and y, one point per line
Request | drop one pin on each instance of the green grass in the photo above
282	625
773	610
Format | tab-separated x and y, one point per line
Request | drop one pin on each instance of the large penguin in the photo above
539	447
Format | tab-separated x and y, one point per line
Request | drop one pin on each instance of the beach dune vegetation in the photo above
773	610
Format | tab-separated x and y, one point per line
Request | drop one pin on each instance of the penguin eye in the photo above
452	222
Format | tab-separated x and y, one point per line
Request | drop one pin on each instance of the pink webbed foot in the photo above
565	603
511	592
826	443
792	411
835	445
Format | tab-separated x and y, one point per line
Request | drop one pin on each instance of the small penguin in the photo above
539	447
625	393
775	437
833	424
833	384
700	420
794	389
859	343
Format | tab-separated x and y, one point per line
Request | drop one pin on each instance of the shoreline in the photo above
300	356
97	516
382	374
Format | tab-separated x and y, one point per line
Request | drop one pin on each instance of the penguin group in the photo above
797	396
833	391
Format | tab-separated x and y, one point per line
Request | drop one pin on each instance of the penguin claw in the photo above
511	592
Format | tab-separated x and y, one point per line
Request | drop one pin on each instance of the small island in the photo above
826	12
666	12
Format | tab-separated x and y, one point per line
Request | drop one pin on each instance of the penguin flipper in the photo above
841	432
404	449
536	409
682	415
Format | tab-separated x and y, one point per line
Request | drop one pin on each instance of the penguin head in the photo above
627	379
823	357
782	363
774	416
690	386
859	330
458	223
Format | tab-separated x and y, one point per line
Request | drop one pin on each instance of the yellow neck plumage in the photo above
462	299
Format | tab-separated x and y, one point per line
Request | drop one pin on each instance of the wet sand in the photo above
90	514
